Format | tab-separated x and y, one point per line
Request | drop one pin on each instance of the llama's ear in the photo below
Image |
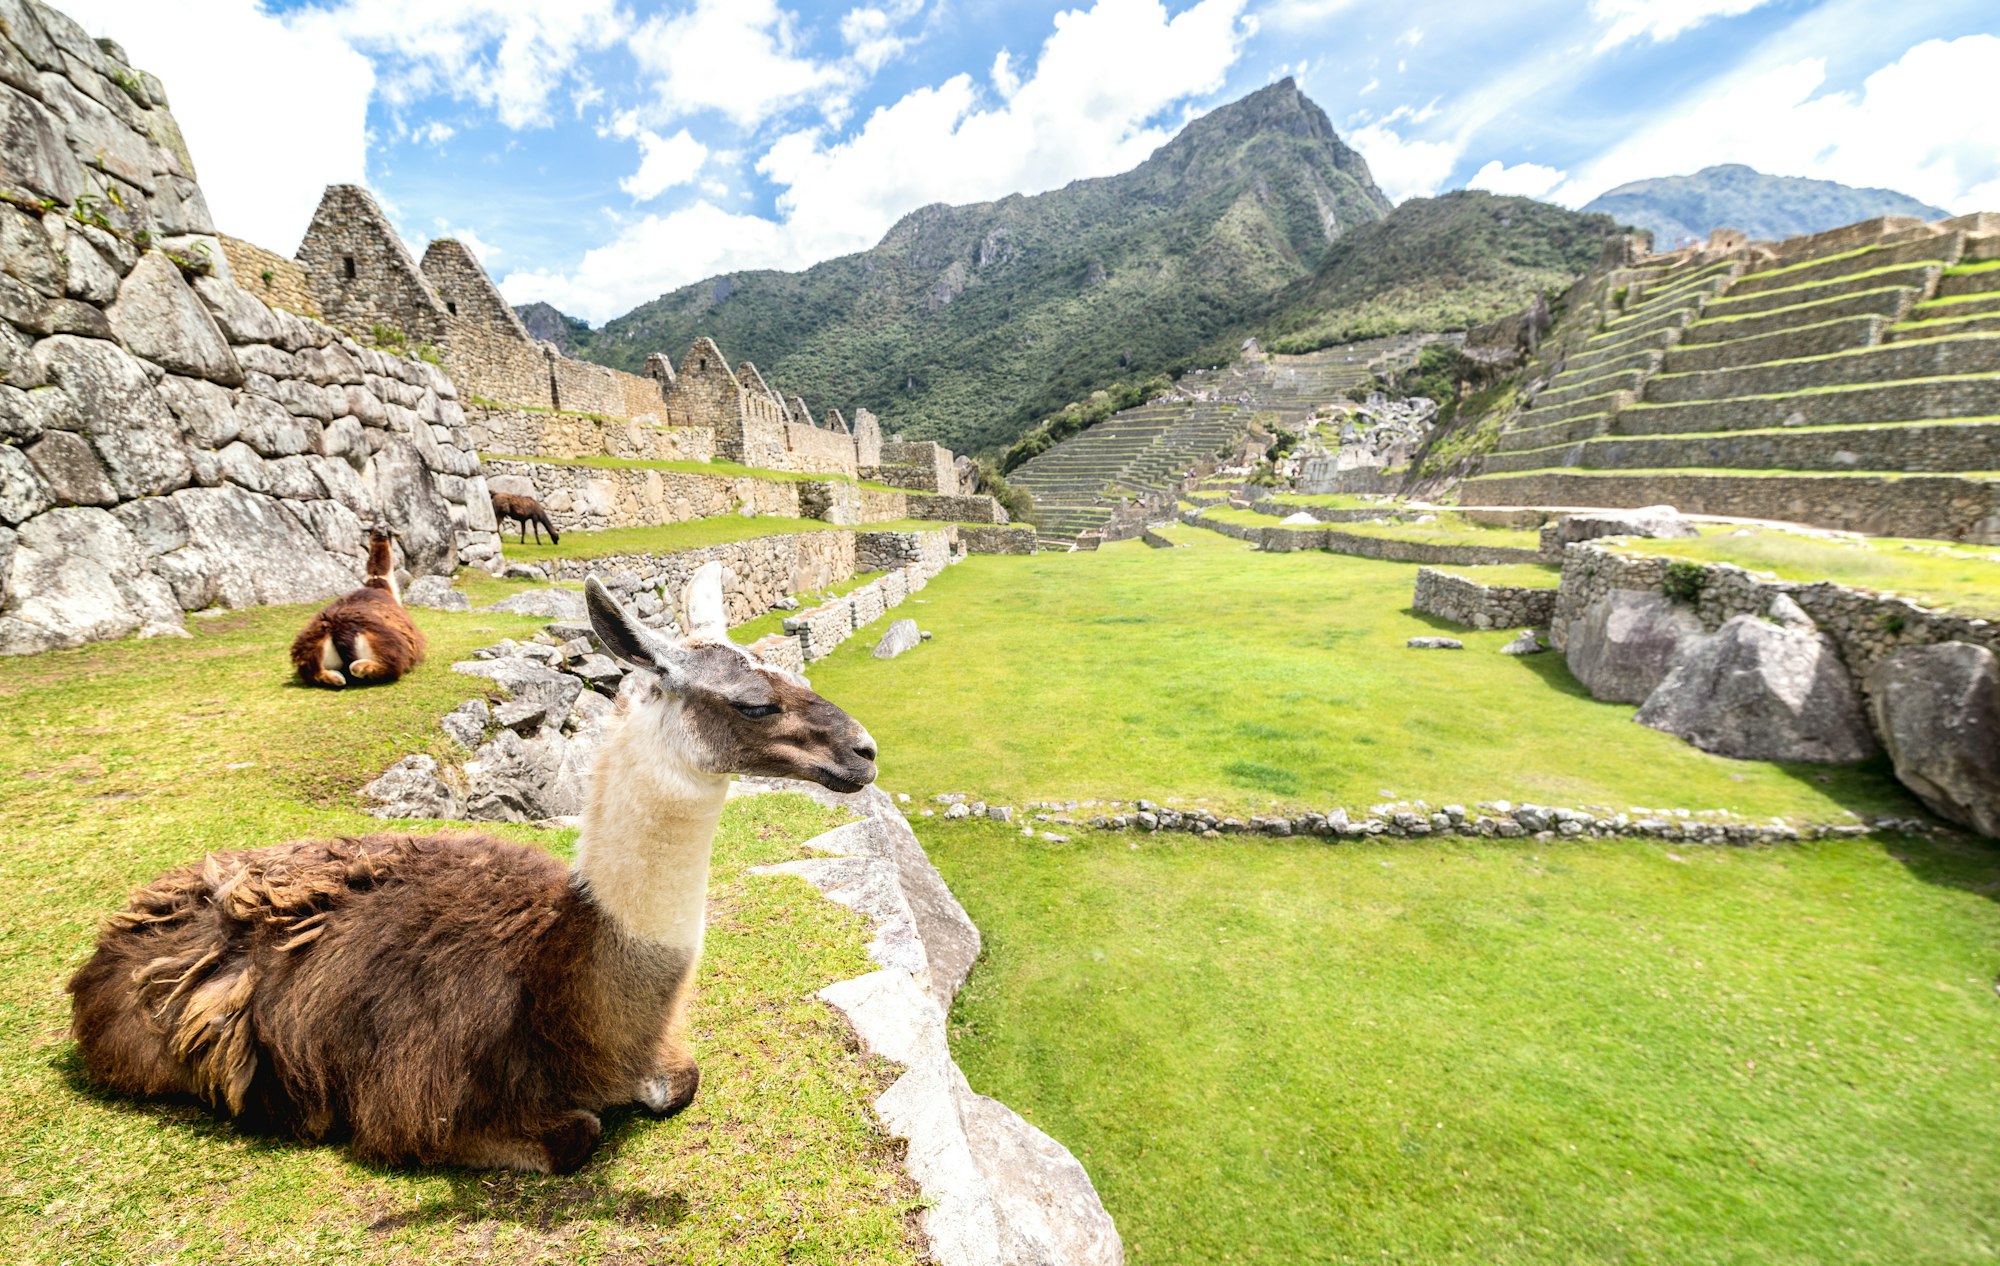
705	613
624	637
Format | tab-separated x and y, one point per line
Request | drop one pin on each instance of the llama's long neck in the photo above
382	567
647	830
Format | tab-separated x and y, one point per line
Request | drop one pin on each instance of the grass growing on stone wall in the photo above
121	760
1960	578
1513	575
1449	528
1467	1053
1335	500
1244	679
774	621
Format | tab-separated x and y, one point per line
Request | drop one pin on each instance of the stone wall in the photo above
919	465
818	631
273	279
362	276
807	448
168	443
873	505
1465	601
892	551
955	508
536	433
588	499
756	574
998	539
1864	627
1282	540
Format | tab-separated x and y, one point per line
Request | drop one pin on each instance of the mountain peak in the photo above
1679	209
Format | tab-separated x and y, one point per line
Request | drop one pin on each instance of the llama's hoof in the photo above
331	680
570	1140
368	669
669	1092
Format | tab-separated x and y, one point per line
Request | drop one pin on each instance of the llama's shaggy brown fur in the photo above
366	634
419	993
524	510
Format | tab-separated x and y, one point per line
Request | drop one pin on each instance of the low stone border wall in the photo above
998	1191
1465	601
817	632
956	508
1865	627
1329	514
998	538
1281	540
590	499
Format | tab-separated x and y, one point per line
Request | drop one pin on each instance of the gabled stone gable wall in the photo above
920	465
825	452
867	440
466	291
289	286
387	288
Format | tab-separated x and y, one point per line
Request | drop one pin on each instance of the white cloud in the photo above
1006	81
509	55
1525	180
875	34
481	249
1293	15
1920	125
739	58
1404	168
262	167
1100	81
663	163
434	133
1660	20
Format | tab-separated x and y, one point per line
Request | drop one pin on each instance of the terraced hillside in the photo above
1144	451
1849	379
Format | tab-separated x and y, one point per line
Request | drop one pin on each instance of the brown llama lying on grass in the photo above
461	999
367	634
524	510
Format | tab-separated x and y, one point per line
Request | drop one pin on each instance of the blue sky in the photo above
597	153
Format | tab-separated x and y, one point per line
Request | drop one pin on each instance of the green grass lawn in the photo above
1495	1054
123	759
1244	679
1960	578
1448	528
718	529
1513	575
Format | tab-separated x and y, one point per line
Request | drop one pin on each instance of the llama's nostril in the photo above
866	751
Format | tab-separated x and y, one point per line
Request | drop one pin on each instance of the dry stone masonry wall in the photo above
168	442
1463	600
545	433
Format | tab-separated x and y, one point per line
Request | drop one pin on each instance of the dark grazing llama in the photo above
367	634
461	999
524	511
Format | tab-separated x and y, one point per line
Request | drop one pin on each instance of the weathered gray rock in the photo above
411	788
1658	522
156	524
241	318
900	636
1525	643
1624	644
244	550
207	412
556	604
1435	644
601	672
1937	709
32	153
108	396
23	494
406	497
512	779
435	591
540	696
467	723
27	255
266	427
159	318
77	576
70	470
1755	690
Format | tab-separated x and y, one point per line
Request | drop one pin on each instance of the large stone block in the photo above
404	495
1937	709
159	318
1624	644
1758	690
77	576
32	153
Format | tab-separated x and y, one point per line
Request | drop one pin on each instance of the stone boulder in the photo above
77	575
158	317
1756	690
1658	522
435	591
406	496
554	604
901	636
245	550
538	697
1624	643
411	788
1524	643
1435	644
1937	709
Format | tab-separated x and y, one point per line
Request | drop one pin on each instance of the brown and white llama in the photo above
367	634
524	510
460	999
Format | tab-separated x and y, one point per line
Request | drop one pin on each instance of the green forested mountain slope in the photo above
968	324
1442	263
1679	209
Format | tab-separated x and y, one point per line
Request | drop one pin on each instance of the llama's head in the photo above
712	705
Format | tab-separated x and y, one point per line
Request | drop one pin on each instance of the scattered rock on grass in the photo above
435	592
1526	643
900	636
1435	644
1937	709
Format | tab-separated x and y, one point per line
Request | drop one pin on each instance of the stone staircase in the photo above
1079	484
1849	380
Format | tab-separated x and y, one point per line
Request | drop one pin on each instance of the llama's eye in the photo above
757	709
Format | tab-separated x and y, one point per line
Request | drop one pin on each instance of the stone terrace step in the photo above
1569	388
1948	507
1975	395
1837	335
1894	362
1988	324
1919	278
1939	447
1942	250
1603	356
1517	438
1539	416
1969	281
1890	302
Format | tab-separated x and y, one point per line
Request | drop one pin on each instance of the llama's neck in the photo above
382	567
643	854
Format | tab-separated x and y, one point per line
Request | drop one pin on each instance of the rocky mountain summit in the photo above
1678	210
